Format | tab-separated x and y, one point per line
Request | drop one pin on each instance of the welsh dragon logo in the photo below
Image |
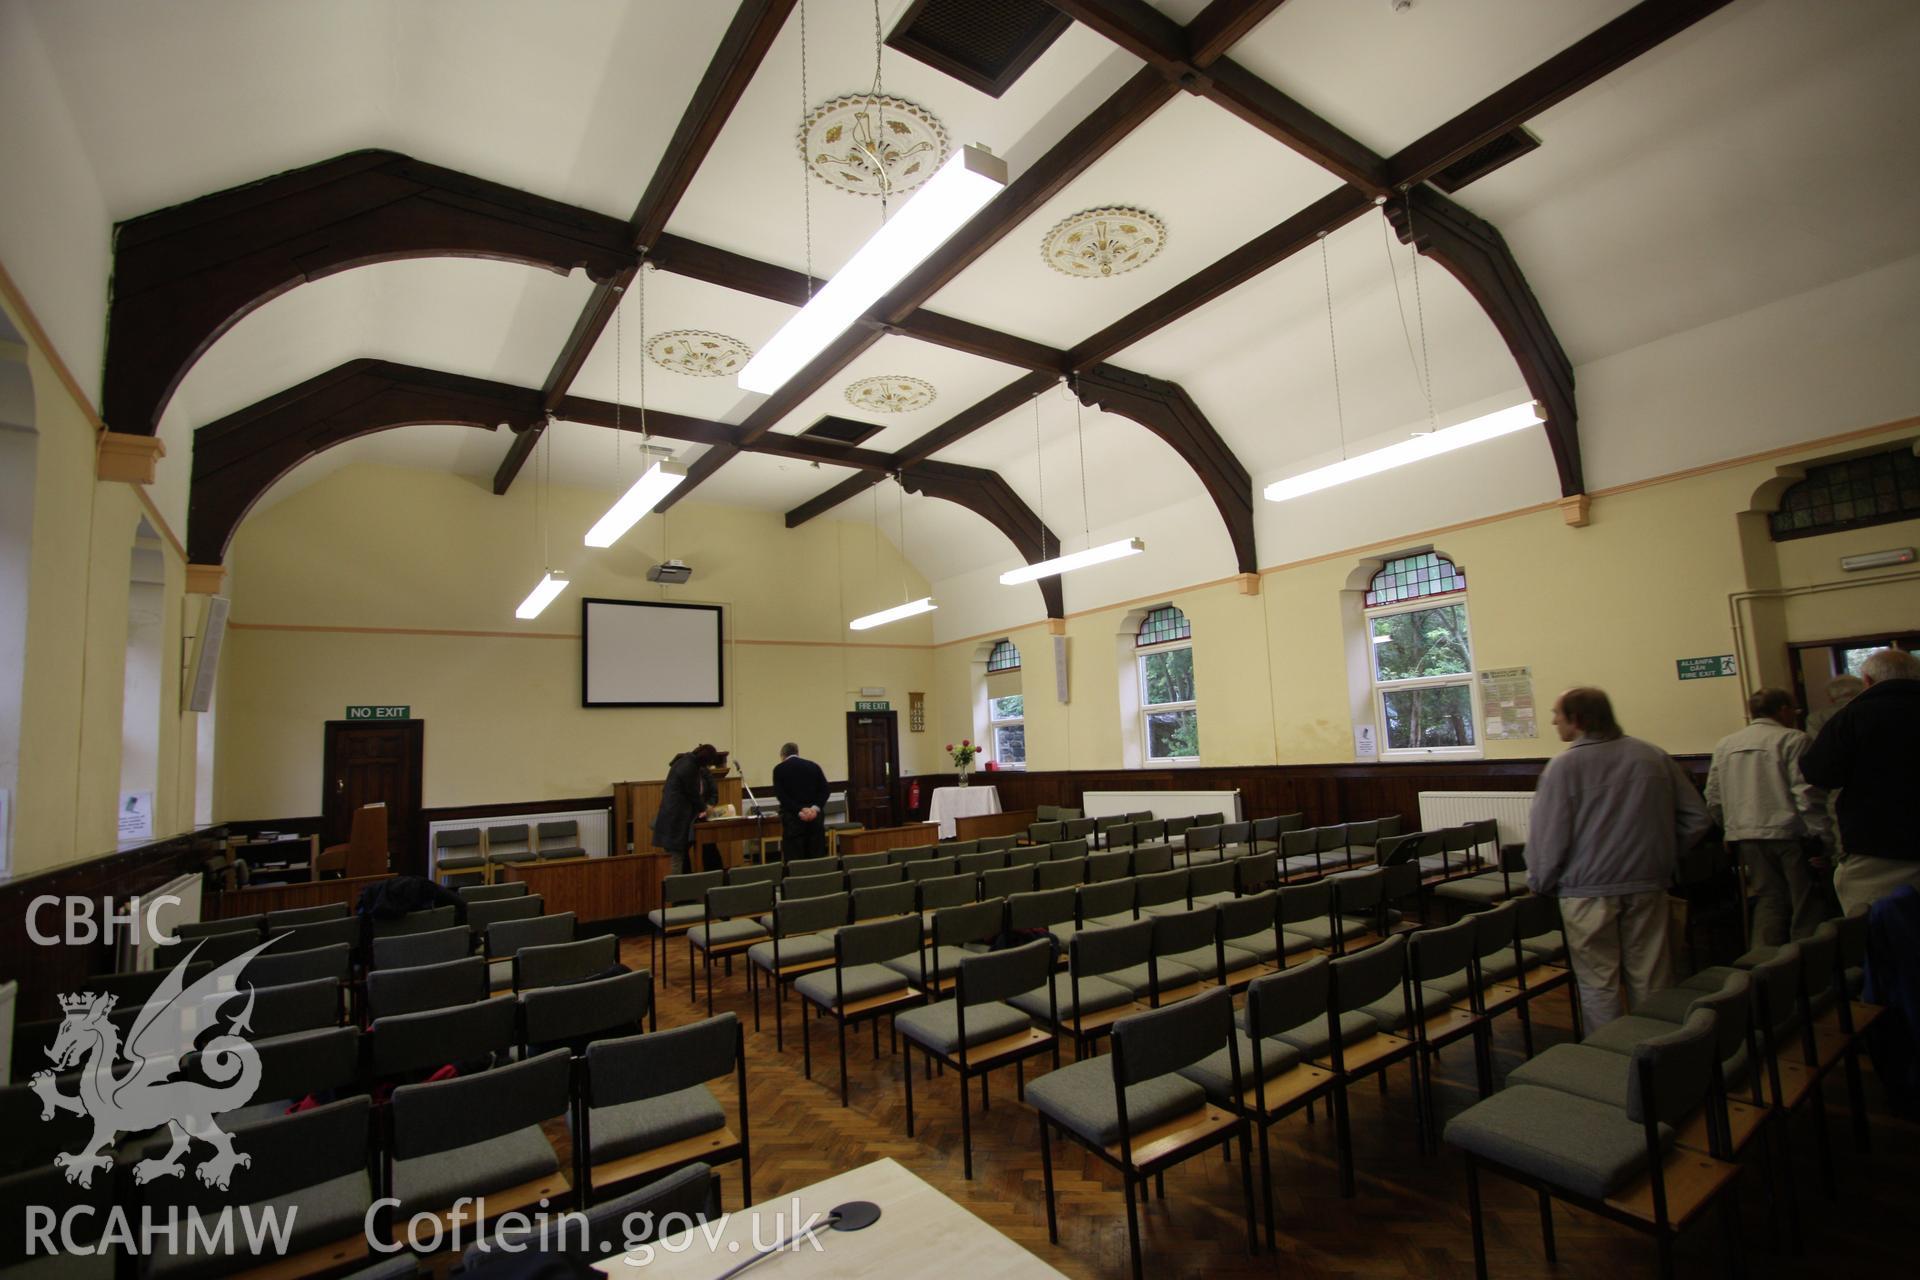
132	1088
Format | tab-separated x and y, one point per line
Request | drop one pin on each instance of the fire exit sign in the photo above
379	713
1707	668
881	705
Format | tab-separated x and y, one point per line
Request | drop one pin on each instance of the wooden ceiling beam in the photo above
184	276
1473	251
1643	27
239	457
1119	115
755	25
1223	24
1170	50
1165	409
988	495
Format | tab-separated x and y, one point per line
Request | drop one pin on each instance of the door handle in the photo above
339	784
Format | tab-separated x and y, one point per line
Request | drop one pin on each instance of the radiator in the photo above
164	918
1162	804
1457	808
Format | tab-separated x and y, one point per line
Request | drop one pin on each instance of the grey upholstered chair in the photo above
800	941
553	963
406	950
1105	1105
578	1013
978	1031
477	1135
682	906
1106	967
1608	1160
434	986
405	1048
471	893
647	1108
860	987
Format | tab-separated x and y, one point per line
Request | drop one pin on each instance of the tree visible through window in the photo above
1007	716
1422	656
1170	723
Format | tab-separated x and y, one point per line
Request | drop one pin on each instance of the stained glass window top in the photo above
1850	494
1163	624
1004	657
1413	577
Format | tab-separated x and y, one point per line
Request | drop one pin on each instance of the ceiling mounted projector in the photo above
670	572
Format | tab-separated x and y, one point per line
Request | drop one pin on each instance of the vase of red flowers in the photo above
963	757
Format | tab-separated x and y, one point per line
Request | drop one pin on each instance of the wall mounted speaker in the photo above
1060	668
196	691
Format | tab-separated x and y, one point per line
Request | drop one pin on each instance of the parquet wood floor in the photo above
1408	1219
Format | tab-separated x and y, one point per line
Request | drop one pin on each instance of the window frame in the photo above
1378	689
995	724
1149	709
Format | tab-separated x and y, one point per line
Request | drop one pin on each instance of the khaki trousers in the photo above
1858	880
1788	901
1616	939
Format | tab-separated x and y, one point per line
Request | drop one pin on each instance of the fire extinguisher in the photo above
913	796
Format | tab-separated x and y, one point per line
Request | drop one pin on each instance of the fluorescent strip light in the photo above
924	604
542	595
1446	440
655	483
942	205
1078	560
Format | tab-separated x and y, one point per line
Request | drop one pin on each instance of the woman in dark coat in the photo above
684	799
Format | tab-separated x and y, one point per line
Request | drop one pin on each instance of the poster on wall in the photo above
1364	745
136	816
1506	700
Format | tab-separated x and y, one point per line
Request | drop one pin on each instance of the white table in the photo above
921	1233
950	803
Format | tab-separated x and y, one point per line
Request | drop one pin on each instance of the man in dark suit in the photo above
801	788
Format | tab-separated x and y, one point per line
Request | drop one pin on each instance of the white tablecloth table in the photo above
950	803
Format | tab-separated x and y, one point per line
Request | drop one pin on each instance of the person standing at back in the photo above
801	787
684	799
1610	816
1768	813
1870	749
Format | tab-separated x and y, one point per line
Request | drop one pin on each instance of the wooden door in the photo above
369	763
873	766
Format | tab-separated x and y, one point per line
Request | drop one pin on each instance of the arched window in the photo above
1169	719
1850	494
1006	734
1421	656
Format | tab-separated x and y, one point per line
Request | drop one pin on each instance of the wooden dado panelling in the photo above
1012	822
636	803
880	839
1326	793
47	971
256	899
596	888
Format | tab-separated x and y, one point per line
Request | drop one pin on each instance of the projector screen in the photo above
636	654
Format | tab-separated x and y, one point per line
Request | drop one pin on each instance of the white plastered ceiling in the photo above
1757	158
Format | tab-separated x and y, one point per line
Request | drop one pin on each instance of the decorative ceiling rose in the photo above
872	145
699	352
1103	242
891	394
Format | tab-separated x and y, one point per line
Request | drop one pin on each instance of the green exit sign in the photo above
1707	668
379	713
882	705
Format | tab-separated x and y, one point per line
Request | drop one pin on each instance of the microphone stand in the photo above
759	818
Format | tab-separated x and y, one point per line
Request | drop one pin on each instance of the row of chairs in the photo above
1643	1121
1191	1075
638	1106
468	855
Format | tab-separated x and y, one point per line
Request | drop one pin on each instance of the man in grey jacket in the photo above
1610	816
1767	813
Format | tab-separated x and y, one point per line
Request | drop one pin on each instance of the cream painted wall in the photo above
1614	603
386	585
76	609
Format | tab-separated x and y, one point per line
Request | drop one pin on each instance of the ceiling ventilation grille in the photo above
1503	150
846	431
988	44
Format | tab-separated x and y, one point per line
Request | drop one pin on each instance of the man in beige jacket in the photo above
1768	814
